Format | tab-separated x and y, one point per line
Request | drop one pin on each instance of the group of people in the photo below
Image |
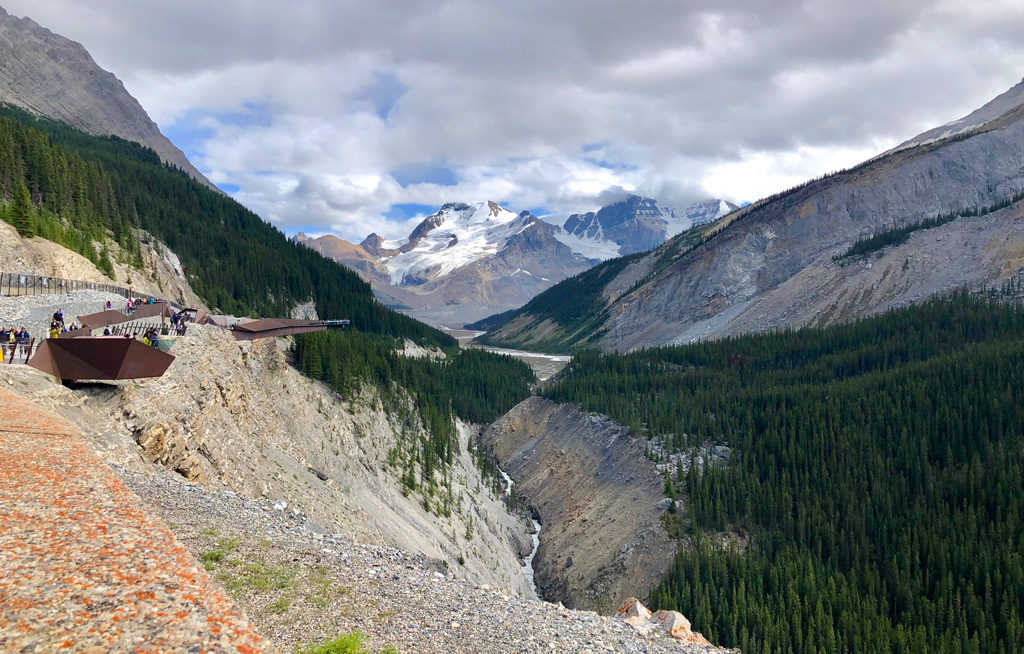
178	320
133	303
151	337
11	339
14	336
57	326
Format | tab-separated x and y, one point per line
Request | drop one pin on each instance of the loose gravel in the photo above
300	586
85	567
36	311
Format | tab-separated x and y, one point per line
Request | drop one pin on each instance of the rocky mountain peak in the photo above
425	227
637	223
373	244
50	75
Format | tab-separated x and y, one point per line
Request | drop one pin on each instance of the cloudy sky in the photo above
356	116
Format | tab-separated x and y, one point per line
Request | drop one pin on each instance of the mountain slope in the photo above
777	263
92	186
50	75
461	263
873	486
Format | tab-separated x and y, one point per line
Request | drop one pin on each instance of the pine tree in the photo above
21	211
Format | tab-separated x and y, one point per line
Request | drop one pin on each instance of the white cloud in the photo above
733	98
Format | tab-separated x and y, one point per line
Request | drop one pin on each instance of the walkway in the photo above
84	567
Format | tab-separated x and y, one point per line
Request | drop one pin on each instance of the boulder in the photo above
677	626
665	503
636	615
165	444
633	610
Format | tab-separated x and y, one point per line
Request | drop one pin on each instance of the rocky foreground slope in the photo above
237	416
299	585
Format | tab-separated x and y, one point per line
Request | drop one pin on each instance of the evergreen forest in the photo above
82	191
874	498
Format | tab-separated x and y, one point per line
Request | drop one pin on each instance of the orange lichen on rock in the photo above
115	578
673	623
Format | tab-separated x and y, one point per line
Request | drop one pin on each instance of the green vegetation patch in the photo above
574	303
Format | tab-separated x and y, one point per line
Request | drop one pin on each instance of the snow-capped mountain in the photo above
635	224
460	264
468	261
457	235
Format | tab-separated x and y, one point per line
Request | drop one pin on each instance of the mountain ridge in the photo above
50	75
469	260
460	263
771	264
639	223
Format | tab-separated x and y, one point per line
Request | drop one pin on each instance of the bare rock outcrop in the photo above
165	444
161	274
596	495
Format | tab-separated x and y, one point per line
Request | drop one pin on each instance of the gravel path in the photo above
85	567
36	311
300	586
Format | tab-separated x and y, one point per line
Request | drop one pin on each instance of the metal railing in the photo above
16	284
134	329
19	352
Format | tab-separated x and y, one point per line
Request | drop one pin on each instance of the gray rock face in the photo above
53	76
597	497
636	224
773	265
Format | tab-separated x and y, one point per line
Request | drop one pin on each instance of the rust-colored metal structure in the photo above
271	327
99	357
111	317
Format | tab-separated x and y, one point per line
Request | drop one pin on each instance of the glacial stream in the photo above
528	561
543	365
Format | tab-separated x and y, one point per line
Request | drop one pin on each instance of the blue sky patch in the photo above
404	211
612	165
425	173
383	93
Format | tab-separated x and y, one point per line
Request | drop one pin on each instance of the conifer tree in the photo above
21	211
